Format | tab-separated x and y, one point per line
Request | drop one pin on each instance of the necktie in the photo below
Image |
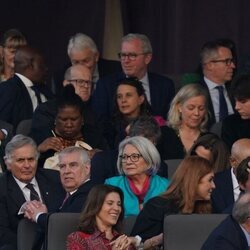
37	93
65	199
33	193
223	104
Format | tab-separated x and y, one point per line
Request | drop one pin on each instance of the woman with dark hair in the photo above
130	103
189	192
100	224
212	148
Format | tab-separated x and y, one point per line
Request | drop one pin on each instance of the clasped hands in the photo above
32	208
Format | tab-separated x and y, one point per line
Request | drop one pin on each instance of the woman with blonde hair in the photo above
187	120
189	192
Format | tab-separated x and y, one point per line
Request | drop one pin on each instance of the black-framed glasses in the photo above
81	82
227	61
133	157
130	56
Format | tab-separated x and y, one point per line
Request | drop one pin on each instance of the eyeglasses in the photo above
82	82
227	61
130	56
132	157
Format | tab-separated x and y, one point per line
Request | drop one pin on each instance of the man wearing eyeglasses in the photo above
218	68
135	56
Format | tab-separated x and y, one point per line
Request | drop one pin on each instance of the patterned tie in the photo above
223	104
33	193
37	93
65	199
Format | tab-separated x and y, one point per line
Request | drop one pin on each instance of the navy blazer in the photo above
210	104
15	101
12	198
227	236
222	196
162	91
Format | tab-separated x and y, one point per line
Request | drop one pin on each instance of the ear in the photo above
242	187
87	168
141	99
97	55
233	162
7	163
148	58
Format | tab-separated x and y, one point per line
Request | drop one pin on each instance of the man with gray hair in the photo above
234	231
23	182
83	50
135	56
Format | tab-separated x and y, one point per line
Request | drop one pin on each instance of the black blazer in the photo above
222	196
12	198
15	101
228	235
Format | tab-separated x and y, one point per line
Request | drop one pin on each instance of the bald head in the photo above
30	63
240	150
81	78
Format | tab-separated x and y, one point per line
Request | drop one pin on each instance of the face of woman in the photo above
69	122
133	163
8	56
203	152
205	187
128	100
193	111
110	211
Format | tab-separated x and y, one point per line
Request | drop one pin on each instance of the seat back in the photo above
216	128
189	232
172	166
60	225
129	224
24	127
26	232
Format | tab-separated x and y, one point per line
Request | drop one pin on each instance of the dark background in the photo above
176	28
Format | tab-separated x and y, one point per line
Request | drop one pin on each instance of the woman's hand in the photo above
122	242
50	143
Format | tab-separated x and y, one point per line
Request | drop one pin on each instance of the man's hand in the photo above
33	208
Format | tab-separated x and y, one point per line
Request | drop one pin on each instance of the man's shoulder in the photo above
159	78
51	175
13	83
232	120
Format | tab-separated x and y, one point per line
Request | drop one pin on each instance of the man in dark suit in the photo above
83	50
20	95
74	164
227	187
234	232
21	183
218	67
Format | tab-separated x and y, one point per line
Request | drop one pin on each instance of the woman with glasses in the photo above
138	163
129	104
189	192
11	41
187	121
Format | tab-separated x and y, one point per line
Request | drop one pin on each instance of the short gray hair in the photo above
17	142
80	42
146	44
146	148
184	94
241	210
84	157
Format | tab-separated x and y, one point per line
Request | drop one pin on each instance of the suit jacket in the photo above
210	104
162	91
15	101
228	235
222	195
12	198
234	128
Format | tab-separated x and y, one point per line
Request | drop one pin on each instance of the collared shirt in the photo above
236	187
72	192
28	84
246	234
145	84
214	94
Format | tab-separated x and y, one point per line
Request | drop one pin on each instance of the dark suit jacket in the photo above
12	198
15	101
104	166
227	236
162	91
105	68
222	195
234	128
210	104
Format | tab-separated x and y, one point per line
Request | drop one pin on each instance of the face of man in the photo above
81	79
84	57
38	69
72	172
243	108
134	62
23	163
221	67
